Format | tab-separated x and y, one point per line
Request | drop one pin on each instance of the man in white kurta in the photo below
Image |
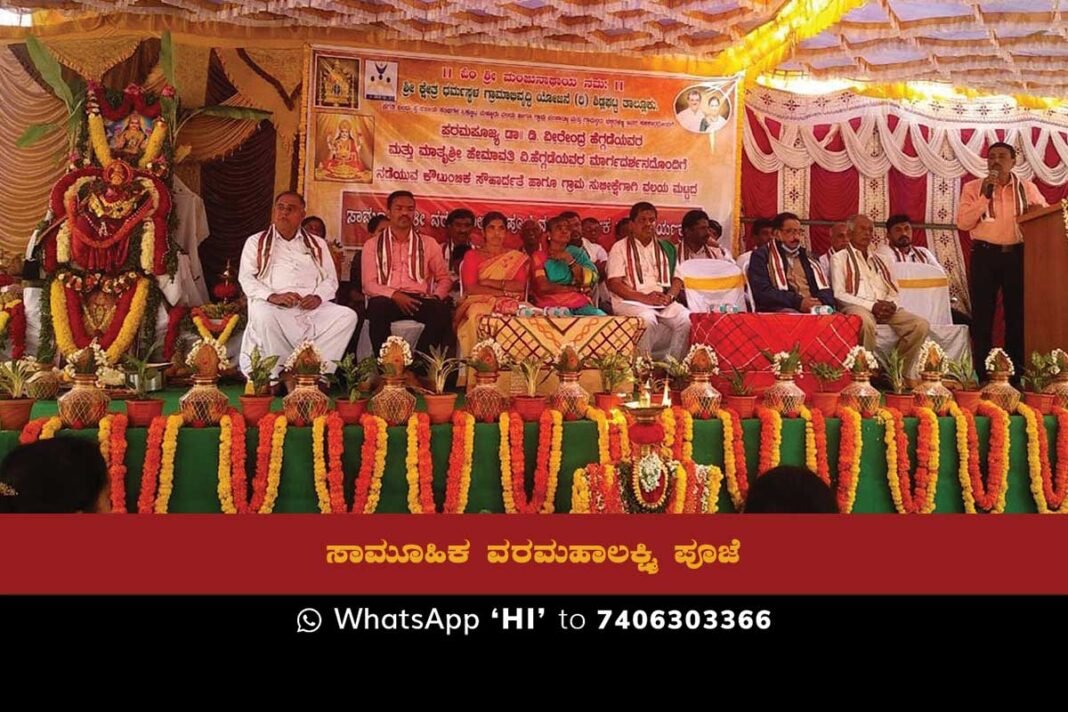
289	278
640	278
864	287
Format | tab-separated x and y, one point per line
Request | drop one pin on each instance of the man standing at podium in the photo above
988	210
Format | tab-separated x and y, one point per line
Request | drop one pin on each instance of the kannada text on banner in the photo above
529	140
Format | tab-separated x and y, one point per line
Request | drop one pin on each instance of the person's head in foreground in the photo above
790	490
62	475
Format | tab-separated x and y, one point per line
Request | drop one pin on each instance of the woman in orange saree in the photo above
493	279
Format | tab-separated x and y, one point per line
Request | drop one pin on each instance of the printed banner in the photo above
526	139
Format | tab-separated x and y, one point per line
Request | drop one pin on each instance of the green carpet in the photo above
197	461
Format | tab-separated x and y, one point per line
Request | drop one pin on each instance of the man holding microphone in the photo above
988	210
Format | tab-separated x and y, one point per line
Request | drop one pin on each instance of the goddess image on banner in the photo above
344	147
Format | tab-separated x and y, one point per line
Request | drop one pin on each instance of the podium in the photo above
1045	262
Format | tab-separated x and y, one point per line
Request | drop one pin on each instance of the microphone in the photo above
995	171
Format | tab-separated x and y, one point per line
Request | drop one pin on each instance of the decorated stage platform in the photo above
196	477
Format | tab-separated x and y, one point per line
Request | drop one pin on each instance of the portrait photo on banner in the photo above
344	147
380	80
704	108
337	82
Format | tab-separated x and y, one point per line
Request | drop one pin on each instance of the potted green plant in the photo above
16	406
740	397
961	372
615	373
140	374
893	365
1036	377
257	398
439	366
530	405
354	378
823	399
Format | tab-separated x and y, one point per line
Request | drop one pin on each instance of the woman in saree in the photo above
494	278
563	275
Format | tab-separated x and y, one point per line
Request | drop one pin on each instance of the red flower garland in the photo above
17	330
133	100
146	501
604	499
335	474
1054	491
534	503
238	460
457	462
1060	487
367	463
424	463
986	494
117	464
263	464
31	432
847	455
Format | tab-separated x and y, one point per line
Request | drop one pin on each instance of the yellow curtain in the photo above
211	137
263	95
26	175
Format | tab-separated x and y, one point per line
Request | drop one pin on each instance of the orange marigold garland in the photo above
146	501
547	467
458	479
269	454
31	432
335	474
734	463
816	443
372	465
979	496
850	448
770	438
1049	494
117	462
915	494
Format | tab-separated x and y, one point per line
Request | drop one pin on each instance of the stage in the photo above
196	461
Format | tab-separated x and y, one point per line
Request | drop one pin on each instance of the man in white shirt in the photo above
691	117
839	239
700	238
640	278
899	247
289	278
864	286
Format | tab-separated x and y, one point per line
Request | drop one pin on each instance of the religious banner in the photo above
529	140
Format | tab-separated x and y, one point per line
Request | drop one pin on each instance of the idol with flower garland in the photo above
931	393
999	391
485	401
570	398
393	403
860	394
701	398
306	402
784	396
86	403
106	237
204	404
